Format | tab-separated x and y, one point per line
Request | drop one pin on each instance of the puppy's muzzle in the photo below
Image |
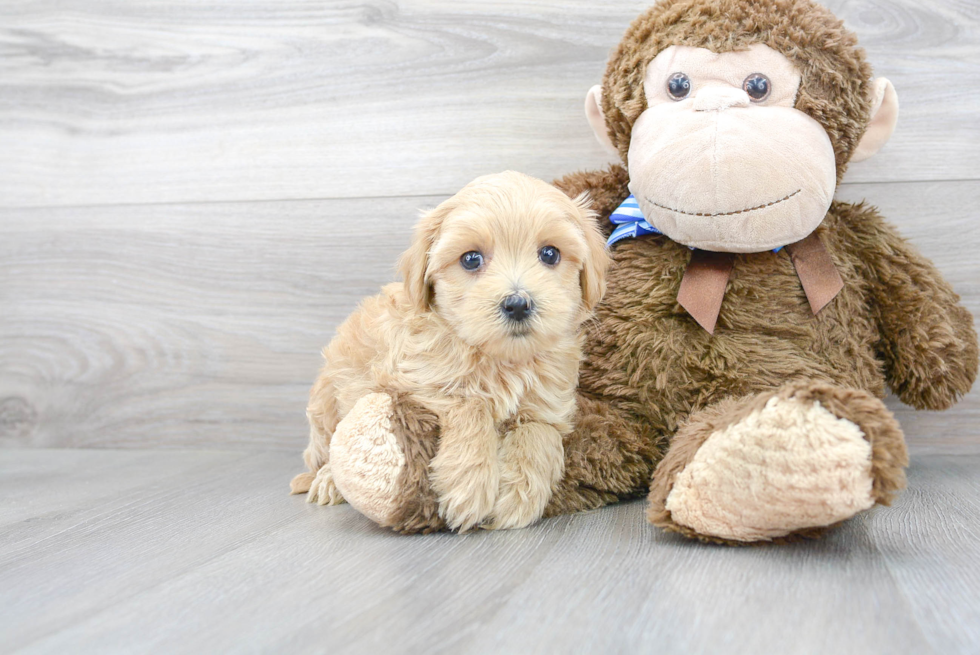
516	308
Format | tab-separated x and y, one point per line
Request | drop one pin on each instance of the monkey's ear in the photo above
593	275
414	263
593	111
884	115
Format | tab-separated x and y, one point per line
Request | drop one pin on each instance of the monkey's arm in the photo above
607	189
927	341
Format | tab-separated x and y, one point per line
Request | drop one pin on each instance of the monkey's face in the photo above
720	159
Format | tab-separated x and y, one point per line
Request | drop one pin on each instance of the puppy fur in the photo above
504	391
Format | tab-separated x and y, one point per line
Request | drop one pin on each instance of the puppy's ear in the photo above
593	275
414	263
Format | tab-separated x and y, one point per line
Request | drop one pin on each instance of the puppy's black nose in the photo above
515	307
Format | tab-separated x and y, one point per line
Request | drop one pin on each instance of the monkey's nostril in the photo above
515	307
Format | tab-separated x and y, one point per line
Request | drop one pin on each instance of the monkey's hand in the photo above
927	340
465	473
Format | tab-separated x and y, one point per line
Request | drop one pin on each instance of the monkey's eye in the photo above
679	86
757	86
549	255
471	260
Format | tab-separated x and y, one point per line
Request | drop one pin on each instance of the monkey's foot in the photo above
778	465
379	456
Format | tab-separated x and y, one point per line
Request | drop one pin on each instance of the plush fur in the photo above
441	344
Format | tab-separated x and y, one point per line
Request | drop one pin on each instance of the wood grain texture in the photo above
113	102
929	543
209	554
200	325
181	325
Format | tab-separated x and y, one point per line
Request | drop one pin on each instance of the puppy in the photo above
486	334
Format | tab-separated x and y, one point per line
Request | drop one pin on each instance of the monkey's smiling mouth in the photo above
732	213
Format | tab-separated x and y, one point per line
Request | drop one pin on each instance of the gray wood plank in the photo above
112	102
220	559
931	544
163	325
200	325
44	493
138	538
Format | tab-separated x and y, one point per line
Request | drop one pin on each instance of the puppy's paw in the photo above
466	495
301	483
520	503
516	508
323	491
532	463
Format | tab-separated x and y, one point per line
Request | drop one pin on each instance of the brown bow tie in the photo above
703	286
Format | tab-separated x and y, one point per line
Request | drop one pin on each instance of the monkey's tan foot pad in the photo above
781	466
366	459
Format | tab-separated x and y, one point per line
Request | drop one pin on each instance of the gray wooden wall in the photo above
193	194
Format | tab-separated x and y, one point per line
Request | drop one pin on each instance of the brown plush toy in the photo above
752	324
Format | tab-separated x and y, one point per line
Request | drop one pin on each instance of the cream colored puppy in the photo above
485	333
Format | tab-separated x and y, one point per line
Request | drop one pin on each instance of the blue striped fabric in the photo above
632	224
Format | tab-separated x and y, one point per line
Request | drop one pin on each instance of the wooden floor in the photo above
204	552
194	194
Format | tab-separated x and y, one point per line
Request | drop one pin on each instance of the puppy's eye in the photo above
679	86
757	86
471	260
549	255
